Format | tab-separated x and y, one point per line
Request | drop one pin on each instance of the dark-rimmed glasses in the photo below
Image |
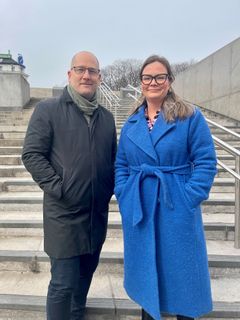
159	78
81	70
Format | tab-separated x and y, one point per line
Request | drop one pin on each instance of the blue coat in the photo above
161	179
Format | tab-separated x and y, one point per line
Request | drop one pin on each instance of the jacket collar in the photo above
139	133
65	96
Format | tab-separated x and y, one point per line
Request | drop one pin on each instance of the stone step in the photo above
106	300
11	201
113	216
224	136
25	254
14	159
10	150
19	170
11	142
12	128
223	173
224	121
213	230
25	184
12	135
13	171
234	144
18	184
29	307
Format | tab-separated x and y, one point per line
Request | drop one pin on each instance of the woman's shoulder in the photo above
132	118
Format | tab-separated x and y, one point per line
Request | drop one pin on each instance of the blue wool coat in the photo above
162	177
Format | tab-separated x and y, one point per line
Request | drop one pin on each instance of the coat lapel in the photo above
161	127
139	134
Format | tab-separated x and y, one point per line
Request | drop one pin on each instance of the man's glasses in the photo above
159	78
81	70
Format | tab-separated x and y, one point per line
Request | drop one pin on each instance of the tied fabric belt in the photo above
146	170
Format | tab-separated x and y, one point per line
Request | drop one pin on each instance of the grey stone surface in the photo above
212	83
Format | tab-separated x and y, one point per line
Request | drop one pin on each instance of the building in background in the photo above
14	86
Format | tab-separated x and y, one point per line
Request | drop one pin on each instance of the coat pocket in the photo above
182	190
67	188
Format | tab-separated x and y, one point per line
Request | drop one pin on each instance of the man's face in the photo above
84	75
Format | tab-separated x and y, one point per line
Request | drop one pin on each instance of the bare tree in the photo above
182	66
121	73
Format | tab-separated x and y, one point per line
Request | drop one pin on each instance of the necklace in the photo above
151	122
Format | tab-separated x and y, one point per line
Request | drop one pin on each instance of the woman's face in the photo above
154	91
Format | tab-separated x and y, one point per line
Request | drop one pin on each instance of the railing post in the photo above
237	205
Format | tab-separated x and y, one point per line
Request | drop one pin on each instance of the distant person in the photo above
70	150
165	167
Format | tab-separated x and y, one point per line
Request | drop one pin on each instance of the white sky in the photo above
48	32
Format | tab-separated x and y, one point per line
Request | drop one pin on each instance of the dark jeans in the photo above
69	285
146	316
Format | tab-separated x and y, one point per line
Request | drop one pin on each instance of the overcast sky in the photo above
48	32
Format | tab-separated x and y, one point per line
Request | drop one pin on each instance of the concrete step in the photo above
12	128
10	150
219	132
25	184
223	185
106	300
223	173
25	253
224	135
113	216
213	230
11	142
14	159
28	307
13	171
233	143
24	201
7	170
12	135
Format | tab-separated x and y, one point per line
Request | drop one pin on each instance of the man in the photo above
70	149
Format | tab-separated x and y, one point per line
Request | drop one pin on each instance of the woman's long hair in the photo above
173	106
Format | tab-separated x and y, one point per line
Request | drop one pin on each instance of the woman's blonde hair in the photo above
173	106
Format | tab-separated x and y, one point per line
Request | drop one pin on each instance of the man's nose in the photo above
86	74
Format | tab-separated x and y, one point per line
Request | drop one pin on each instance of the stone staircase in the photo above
24	267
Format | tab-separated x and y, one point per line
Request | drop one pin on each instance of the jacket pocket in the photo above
67	190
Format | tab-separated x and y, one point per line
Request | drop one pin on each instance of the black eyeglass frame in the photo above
155	78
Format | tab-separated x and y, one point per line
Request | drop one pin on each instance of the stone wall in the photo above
14	90
41	93
214	82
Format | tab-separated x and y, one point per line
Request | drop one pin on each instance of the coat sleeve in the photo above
36	150
121	167
203	157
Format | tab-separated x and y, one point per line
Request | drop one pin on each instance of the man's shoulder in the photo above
48	103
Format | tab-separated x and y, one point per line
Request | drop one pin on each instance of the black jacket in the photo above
73	163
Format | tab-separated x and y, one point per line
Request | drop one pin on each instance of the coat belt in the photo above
145	170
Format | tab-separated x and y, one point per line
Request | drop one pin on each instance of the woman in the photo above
165	167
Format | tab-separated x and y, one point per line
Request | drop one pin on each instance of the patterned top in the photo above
151	122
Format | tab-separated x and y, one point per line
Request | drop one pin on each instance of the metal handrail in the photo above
133	88
235	134
236	174
111	100
113	94
132	96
